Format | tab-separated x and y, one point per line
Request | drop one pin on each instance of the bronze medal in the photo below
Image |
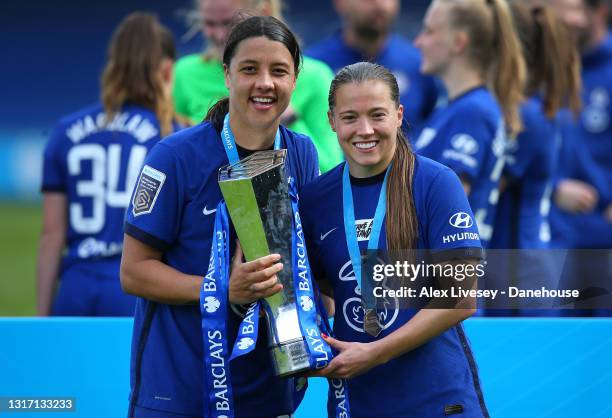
371	324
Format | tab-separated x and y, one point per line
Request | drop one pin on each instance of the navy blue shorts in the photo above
84	291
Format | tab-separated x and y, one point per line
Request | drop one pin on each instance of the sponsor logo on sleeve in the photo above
463	147
461	220
465	144
149	185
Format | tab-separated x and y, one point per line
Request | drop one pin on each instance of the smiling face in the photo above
260	79
436	40
366	121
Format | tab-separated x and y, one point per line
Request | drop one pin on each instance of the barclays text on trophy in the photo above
257	196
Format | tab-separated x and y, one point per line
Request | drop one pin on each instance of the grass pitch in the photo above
20	226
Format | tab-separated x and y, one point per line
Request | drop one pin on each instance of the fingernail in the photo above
324	335
276	257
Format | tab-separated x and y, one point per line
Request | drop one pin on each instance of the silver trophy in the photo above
256	193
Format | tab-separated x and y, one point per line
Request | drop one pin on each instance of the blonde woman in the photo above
471	45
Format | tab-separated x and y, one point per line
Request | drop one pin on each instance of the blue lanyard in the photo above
349	220
214	303
229	143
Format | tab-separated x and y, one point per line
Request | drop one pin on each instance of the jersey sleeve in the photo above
451	230
54	173
468	143
519	158
155	212
309	163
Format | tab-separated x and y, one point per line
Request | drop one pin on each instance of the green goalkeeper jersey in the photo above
199	83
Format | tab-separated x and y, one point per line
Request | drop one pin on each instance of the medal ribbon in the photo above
218	399
214	303
229	141
349	223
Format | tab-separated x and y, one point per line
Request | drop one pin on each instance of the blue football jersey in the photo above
587	155
96	163
418	93
468	135
441	373
173	211
521	219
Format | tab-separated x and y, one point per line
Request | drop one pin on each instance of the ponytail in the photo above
508	73
401	224
216	114
558	69
495	50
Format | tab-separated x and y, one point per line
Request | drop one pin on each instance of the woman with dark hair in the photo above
169	230
91	164
199	77
406	362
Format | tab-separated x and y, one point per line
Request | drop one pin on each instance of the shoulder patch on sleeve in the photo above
149	185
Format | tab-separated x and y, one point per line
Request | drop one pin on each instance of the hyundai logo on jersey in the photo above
461	220
465	143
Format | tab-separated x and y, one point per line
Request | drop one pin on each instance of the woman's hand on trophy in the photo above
255	279
352	359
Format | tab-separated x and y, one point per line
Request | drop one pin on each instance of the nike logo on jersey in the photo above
323	236
207	212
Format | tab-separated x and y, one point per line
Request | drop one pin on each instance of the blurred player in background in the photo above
367	35
472	46
199	81
582	216
553	67
91	164
521	219
582	194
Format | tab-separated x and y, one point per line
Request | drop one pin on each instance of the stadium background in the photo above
53	57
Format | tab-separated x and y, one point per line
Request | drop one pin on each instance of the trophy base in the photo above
290	357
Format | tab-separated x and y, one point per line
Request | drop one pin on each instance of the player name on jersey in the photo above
141	128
